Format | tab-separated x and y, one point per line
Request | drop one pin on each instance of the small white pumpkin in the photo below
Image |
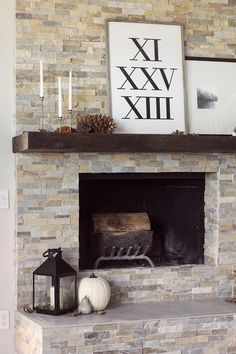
84	306
96	289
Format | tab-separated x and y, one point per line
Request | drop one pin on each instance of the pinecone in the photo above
95	124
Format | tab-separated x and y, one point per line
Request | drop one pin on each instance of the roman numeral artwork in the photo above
146	77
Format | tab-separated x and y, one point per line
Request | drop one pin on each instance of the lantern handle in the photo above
51	251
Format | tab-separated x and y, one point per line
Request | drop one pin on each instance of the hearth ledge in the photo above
131	327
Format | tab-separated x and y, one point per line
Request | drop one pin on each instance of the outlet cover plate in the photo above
4	199
4	319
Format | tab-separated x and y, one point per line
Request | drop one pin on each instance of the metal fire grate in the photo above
124	254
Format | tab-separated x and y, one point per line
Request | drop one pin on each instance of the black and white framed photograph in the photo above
146	77
211	95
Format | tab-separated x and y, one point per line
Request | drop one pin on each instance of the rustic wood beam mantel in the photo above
112	143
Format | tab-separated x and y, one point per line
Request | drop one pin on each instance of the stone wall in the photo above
28	335
47	184
47	213
58	31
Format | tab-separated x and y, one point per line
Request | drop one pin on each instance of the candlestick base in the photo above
42	123
70	118
60	123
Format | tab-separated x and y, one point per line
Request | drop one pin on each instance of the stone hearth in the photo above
198	326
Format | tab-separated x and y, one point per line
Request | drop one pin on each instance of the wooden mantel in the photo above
59	142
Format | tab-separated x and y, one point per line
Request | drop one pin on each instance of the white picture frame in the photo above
211	95
145	62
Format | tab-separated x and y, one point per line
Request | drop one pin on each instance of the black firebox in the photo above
174	203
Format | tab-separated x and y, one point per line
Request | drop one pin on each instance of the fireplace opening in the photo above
172	202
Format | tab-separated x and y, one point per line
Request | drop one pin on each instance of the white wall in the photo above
7	162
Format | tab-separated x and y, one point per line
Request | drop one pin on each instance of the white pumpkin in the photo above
96	289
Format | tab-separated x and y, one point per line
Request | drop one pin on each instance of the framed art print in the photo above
211	95
146	77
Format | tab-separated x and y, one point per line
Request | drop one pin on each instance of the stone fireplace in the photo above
49	193
48	209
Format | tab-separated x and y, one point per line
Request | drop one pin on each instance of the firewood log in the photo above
123	222
121	230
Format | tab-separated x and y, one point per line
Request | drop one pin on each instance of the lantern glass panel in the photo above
43	292
67	292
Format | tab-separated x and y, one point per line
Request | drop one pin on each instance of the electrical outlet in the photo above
4	319
4	200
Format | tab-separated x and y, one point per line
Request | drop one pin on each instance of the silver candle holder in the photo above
70	118
60	123
42	122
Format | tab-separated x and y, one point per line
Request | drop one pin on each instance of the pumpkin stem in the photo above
92	275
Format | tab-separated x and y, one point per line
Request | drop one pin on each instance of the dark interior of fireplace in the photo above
174	203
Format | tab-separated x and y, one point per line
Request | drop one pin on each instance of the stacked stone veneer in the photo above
48	216
60	30
196	335
47	184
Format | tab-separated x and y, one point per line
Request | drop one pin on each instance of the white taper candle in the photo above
52	296
41	78
70	92
59	98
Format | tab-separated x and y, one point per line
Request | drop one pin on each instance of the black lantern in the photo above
54	285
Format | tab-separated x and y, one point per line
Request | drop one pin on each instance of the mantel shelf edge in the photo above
32	142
